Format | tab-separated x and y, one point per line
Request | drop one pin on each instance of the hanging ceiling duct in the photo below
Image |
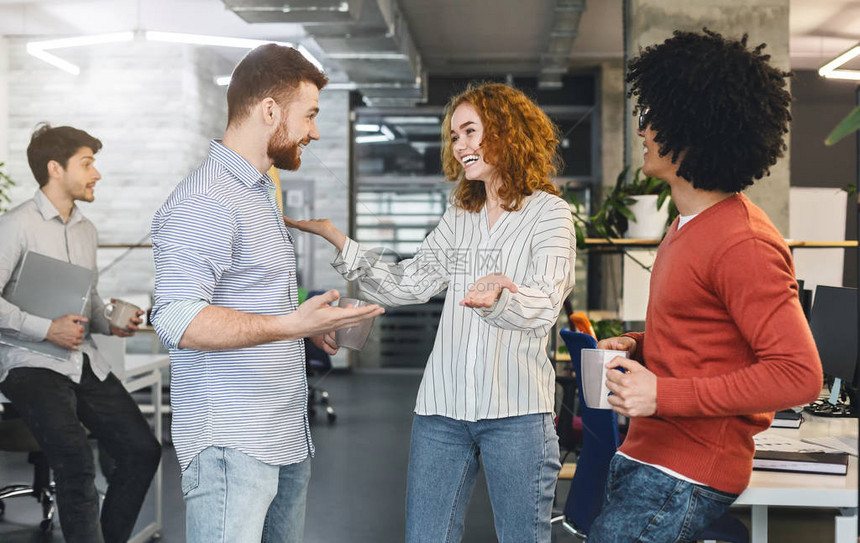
295	11
565	28
368	39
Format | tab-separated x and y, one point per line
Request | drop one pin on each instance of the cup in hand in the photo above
119	313
353	337
594	376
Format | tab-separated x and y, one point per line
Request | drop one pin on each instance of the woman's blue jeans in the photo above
643	504
521	464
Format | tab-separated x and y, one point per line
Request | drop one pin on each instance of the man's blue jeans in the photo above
521	464
643	504
231	497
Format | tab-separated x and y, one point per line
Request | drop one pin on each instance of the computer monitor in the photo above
833	321
834	326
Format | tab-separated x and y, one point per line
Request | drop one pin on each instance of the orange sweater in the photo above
728	341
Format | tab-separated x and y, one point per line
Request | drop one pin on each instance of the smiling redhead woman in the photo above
504	251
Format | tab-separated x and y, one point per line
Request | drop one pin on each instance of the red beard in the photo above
283	152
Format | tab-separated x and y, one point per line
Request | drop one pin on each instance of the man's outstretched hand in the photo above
316	317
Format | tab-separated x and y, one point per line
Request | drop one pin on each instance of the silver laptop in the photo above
48	288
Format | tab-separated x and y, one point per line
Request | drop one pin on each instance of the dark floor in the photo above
358	484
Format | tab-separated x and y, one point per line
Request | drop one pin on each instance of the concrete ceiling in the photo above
451	36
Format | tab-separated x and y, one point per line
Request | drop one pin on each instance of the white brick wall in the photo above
154	107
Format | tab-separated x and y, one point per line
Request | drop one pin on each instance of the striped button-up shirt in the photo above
219	239
36	226
485	363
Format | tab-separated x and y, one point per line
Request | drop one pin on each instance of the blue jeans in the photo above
521	464
644	504
231	497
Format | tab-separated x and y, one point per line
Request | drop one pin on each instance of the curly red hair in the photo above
520	141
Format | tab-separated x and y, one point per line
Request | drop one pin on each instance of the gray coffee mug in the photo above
119	313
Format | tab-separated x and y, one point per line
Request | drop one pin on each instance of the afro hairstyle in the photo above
721	108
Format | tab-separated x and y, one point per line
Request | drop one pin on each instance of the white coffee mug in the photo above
593	367
119	313
356	336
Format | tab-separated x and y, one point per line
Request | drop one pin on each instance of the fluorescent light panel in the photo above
375	138
53	60
200	39
77	41
38	48
831	71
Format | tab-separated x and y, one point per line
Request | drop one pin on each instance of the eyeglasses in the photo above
643	118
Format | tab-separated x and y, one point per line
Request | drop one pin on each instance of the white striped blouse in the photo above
219	239
485	363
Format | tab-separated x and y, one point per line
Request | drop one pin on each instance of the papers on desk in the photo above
775	443
844	444
777	453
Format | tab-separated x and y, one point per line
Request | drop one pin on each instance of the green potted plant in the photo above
6	184
613	217
848	125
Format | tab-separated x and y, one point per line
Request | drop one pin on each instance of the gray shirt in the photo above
36	226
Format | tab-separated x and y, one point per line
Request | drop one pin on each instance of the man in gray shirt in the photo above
54	397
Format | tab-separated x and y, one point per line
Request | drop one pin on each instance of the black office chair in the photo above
318	362
16	437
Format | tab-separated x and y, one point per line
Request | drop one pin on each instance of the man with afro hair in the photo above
726	343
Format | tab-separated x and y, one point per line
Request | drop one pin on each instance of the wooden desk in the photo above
140	371
839	492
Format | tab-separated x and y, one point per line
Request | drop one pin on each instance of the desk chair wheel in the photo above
331	416
324	398
48	508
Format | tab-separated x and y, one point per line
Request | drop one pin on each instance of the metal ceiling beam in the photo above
369	39
296	11
565	29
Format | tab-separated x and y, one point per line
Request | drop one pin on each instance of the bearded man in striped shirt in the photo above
226	305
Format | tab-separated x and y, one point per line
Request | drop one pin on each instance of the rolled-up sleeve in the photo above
410	281
192	245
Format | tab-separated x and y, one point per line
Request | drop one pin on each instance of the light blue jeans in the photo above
645	505
521	464
231	497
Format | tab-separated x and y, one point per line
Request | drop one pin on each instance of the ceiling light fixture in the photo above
224	80
831	71
39	49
